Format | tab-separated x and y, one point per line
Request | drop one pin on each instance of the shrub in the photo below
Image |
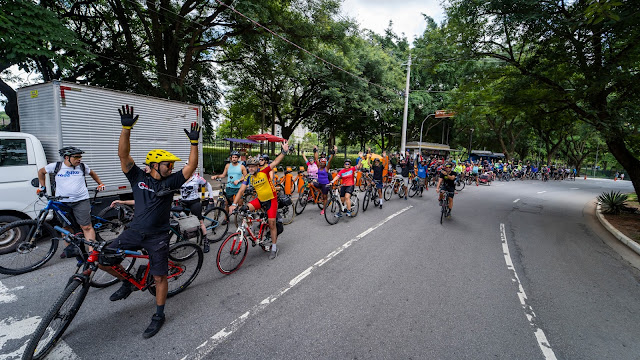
613	202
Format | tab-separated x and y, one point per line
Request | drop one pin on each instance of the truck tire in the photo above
8	241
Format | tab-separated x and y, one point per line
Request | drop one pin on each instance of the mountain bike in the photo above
371	194
254	228
185	261
308	194
459	183
444	205
335	206
35	240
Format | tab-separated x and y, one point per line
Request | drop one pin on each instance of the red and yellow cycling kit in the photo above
265	191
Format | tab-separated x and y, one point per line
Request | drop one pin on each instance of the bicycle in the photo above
371	194
308	194
185	262
216	221
396	186
254	228
335	205
444	205
459	183
36	241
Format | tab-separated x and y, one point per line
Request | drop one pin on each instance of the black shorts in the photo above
195	206
346	190
156	245
450	190
325	188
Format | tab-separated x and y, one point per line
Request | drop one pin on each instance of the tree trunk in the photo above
12	105
630	163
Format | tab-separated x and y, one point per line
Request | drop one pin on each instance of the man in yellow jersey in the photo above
266	193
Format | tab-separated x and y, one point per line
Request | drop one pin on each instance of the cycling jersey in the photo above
191	189
422	171
70	182
312	170
347	176
377	172
323	176
263	185
447	183
234	172
365	164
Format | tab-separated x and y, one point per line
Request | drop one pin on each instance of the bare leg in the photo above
347	198
162	289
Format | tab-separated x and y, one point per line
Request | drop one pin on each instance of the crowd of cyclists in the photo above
253	186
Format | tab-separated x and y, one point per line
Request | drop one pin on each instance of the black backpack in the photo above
57	169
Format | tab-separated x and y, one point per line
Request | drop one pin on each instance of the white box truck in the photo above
57	114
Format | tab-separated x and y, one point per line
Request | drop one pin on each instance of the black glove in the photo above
126	117
194	134
332	152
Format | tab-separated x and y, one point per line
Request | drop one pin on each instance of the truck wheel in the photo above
9	240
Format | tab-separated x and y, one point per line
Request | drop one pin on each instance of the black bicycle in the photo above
444	204
371	194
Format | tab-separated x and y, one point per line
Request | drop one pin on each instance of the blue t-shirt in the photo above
422	171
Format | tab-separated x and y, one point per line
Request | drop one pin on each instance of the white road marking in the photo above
16	329
516	200
574	188
6	295
541	192
543	343
215	340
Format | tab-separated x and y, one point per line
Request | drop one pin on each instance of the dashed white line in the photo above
6	295
215	340
574	188
516	200
542	192
543	343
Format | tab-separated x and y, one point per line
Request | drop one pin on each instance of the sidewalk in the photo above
633	245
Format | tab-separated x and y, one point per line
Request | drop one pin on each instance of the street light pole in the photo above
403	140
421	125
470	138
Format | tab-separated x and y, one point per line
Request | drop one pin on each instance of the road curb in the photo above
616	233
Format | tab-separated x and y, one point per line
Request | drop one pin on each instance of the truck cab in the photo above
21	156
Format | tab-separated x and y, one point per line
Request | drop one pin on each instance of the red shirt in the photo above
347	176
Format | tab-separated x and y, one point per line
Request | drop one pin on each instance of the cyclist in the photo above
153	194
447	183
190	196
312	165
266	198
263	161
234	172
377	169
348	181
406	167
323	175
69	180
422	174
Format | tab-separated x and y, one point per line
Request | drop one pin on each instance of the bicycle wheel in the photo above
56	321
459	185
35	246
387	192
185	262
301	203
332	210
413	190
216	220
288	213
443	210
355	206
116	218
401	191
365	201
102	279
232	253
177	238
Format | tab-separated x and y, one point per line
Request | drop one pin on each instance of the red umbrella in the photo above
265	137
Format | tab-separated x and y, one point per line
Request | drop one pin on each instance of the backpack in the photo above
57	170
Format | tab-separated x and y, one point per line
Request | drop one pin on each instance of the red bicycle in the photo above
185	261
254	228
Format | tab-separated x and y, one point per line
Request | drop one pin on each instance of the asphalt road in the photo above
522	270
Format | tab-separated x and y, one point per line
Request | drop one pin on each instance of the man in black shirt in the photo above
447	181
406	167
377	170
153	194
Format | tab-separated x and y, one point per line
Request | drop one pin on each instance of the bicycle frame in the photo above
245	228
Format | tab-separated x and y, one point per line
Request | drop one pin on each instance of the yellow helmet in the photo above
159	155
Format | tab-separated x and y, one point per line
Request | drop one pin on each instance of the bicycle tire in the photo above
102	279
28	256
365	201
117	220
216	220
413	190
301	203
288	213
355	206
459	185
72	297
229	258
401	191
333	208
386	193
185	262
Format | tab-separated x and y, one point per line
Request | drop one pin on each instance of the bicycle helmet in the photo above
322	160
69	150
234	153
265	157
159	155
253	161
347	161
449	165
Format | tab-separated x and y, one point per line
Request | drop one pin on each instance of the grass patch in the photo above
633	197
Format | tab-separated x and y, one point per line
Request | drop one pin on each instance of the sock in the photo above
273	247
160	310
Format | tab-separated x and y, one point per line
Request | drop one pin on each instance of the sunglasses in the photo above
168	164
77	156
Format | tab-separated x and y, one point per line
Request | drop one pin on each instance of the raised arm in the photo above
304	158
127	119
194	136
278	159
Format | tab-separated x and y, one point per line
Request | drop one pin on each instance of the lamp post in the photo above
421	125
470	138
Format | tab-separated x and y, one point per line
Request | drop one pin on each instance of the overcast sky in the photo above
406	15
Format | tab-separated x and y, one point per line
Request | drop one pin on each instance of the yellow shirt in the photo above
263	185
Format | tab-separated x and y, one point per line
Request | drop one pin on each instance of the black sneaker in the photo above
70	251
156	323
273	254
206	247
122	293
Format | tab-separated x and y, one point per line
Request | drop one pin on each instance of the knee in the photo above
86	227
159	279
